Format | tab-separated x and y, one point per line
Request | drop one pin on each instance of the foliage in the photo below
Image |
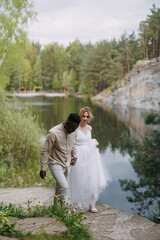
147	165
18	72
152	118
61	210
150	34
59	57
19	132
14	16
20	145
6	228
14	174
84	68
37	73
15	69
48	66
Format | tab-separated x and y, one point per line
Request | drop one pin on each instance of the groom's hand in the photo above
73	160
42	174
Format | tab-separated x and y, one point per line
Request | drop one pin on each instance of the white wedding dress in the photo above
88	177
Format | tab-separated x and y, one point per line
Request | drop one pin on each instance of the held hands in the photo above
73	160
42	174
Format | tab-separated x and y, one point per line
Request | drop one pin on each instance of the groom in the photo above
60	152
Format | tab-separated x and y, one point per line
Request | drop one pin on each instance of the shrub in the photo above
145	192
20	145
19	132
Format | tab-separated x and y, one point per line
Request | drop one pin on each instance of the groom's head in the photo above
72	122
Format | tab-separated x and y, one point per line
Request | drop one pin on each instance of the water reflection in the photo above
39	103
108	126
133	120
120	168
107	129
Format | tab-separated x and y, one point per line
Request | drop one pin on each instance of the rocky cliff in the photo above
142	90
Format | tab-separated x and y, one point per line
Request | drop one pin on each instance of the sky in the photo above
64	21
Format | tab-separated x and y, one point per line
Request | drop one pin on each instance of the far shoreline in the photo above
36	94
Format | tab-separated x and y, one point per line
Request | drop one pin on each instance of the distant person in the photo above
88	177
60	152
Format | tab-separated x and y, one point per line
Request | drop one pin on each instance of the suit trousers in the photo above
60	174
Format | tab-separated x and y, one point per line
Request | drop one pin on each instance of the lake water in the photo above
108	126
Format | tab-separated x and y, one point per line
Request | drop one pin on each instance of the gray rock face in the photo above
143	90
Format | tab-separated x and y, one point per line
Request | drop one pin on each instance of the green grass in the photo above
14	174
61	210
45	236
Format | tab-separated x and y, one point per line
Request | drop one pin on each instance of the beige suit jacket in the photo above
58	147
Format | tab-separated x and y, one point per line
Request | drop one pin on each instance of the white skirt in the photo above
87	178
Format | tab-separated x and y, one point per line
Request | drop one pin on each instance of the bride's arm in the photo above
89	128
93	139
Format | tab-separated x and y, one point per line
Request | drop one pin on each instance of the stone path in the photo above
113	224
108	224
20	196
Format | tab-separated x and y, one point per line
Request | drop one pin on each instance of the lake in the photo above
108	126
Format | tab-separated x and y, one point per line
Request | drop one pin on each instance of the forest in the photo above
86	69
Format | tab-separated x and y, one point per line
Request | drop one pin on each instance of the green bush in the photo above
146	162
19	132
6	229
20	145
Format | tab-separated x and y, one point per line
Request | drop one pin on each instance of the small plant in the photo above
62	210
66	212
114	101
6	229
3	218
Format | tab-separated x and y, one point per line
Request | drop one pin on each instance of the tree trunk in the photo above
153	48
2	59
128	66
159	44
146	47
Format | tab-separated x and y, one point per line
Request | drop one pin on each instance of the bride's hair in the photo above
88	110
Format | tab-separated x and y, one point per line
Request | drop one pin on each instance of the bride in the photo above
87	177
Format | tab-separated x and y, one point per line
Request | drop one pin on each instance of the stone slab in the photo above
35	225
107	224
113	224
21	196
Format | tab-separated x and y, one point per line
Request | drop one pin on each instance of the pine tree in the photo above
146	163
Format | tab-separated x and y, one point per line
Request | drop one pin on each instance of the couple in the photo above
70	144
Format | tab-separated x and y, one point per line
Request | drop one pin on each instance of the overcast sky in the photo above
63	21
